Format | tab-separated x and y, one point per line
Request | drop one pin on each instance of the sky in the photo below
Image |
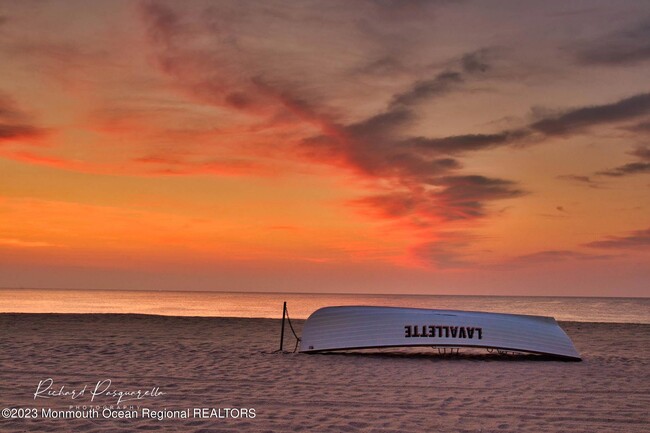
374	146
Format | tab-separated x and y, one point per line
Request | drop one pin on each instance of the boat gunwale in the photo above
434	346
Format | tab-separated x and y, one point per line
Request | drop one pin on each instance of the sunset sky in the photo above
438	147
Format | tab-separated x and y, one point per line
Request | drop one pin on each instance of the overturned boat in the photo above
362	327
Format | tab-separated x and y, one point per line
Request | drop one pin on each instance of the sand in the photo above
226	363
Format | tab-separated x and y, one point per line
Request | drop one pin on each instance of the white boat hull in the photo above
361	327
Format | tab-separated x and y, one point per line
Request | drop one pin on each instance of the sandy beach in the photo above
226	364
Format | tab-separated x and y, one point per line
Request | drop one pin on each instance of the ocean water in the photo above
300	306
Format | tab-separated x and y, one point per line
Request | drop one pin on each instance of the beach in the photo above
224	375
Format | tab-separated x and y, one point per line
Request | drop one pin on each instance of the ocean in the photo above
301	305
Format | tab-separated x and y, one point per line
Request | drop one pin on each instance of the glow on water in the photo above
269	305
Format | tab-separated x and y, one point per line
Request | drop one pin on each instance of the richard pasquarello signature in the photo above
47	389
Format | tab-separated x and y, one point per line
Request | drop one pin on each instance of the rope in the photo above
293	331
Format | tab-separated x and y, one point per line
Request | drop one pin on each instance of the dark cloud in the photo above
392	205
452	198
636	167
377	147
584	180
556	256
385	66
642	127
635	240
214	76
626	169
476	62
403	168
585	117
382	124
14	122
464	197
17	131
472	63
172	165
447	252
626	47
424	90
433	191
164	24
458	144
570	122
8	109
407	165
642	152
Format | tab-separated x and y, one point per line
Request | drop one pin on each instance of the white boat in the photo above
363	327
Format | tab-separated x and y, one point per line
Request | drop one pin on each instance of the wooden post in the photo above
284	310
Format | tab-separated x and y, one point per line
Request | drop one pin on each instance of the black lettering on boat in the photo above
442	331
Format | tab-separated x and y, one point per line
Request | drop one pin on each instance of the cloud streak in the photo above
579	119
637	167
175	166
15	124
555	256
446	252
639	239
459	144
443	83
581	180
624	47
